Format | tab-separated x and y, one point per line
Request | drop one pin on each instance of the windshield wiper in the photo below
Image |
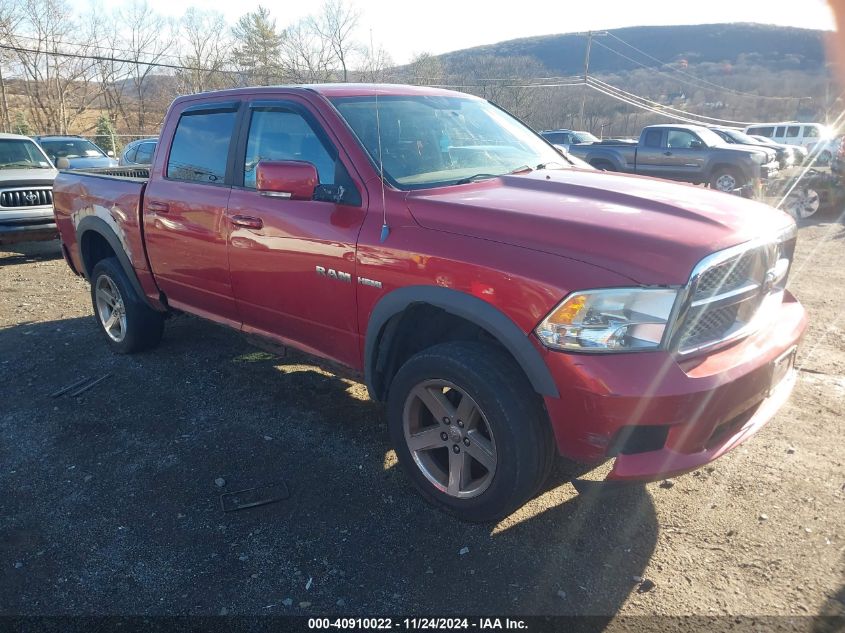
483	176
23	164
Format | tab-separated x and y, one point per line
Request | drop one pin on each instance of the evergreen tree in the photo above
258	45
105	134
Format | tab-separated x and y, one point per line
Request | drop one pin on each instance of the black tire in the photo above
143	325
729	172
513	411
603	165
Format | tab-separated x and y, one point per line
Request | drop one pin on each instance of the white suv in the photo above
816	137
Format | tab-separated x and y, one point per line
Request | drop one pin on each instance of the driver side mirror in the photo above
696	145
291	179
110	154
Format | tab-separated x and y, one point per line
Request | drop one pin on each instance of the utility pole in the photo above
590	36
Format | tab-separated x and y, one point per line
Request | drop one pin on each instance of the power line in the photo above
668	115
104	58
678	70
660	105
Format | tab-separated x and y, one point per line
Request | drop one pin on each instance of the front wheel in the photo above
469	430
129	324
726	179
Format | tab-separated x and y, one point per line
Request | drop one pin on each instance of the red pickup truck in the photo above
506	305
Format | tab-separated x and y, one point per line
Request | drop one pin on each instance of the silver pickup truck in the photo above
26	191
689	153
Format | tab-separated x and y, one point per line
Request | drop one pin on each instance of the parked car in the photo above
506	306
138	152
814	137
26	191
690	153
799	153
785	154
74	152
565	138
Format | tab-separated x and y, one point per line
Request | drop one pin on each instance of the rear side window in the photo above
781	131
793	131
556	137
761	131
145	153
130	154
200	148
810	131
652	138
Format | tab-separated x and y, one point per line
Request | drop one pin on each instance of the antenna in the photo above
385	230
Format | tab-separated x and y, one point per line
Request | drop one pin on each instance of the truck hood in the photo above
26	177
649	230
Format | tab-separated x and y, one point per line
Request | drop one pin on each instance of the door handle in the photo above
158	207
247	222
667	153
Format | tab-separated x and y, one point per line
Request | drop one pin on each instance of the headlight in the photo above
612	320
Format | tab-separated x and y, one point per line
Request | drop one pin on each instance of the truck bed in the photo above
113	195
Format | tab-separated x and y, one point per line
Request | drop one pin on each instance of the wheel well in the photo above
93	248
599	163
418	327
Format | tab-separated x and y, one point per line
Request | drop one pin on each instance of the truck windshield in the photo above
71	148
21	154
429	141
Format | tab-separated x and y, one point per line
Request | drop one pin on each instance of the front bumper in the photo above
684	414
28	230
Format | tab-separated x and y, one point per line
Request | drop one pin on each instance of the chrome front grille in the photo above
726	291
35	197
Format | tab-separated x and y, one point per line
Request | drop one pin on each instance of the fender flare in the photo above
93	224
466	306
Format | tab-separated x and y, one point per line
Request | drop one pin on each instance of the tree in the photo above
306	57
258	46
105	134
21	125
147	41
51	56
335	25
204	49
425	70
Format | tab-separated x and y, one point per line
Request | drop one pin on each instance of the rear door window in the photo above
780	132
794	131
652	138
200	148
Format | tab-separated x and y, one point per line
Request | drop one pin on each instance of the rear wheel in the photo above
129	324
469	430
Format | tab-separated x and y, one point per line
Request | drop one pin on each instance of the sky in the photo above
438	26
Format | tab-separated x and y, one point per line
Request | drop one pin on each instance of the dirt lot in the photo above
111	499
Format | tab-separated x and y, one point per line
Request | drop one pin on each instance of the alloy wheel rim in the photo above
803	203
449	438
111	309
726	182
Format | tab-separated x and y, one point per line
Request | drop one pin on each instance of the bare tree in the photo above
335	25
205	49
52	60
147	41
307	57
425	70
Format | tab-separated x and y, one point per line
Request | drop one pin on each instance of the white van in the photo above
794	133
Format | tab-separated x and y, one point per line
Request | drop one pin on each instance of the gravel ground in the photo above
112	498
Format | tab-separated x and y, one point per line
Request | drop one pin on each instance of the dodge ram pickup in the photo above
690	153
506	306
